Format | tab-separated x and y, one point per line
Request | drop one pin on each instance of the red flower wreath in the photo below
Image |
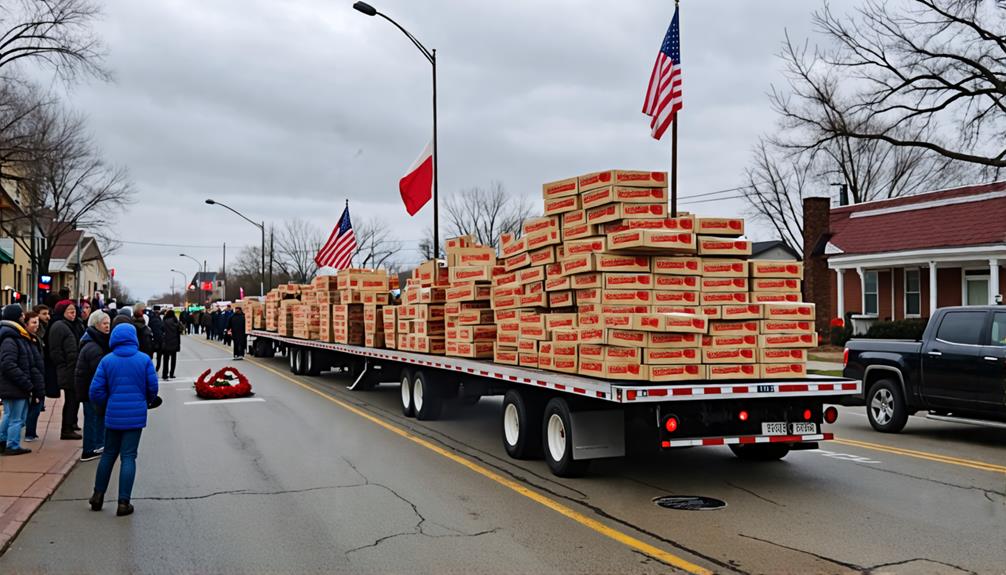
228	383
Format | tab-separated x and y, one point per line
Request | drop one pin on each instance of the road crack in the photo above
750	492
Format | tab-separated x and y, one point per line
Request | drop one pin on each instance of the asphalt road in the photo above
298	483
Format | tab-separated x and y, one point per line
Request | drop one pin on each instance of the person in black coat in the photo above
93	346
64	345
236	326
171	344
21	380
143	332
156	325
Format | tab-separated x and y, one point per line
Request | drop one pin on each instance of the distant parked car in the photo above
957	372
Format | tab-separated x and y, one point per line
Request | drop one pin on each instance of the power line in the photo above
737	197
165	245
704	194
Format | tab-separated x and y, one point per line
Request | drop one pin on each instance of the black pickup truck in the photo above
957	372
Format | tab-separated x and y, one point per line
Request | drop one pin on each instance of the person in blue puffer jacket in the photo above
124	386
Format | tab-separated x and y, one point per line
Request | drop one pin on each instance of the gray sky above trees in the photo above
285	109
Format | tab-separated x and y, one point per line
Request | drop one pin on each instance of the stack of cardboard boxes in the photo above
607	285
419	320
468	319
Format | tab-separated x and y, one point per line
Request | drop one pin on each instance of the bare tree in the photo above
905	73
297	243
426	246
376	245
119	293
56	33
485	213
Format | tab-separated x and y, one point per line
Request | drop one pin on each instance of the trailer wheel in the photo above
557	440
761	451
312	365
426	400
406	388
521	432
885	407
294	356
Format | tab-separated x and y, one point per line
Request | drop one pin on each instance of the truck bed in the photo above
624	392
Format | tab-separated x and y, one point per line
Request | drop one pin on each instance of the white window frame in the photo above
918	293
964	282
876	294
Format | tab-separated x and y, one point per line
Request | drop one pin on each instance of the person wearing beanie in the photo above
64	345
125	385
93	347
20	378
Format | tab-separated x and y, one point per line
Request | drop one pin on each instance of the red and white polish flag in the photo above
416	186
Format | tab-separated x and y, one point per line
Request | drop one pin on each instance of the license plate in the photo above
775	428
804	428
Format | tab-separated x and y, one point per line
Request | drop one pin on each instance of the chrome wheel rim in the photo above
882	406
556	437
511	424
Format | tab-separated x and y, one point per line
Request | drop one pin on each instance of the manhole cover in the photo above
689	502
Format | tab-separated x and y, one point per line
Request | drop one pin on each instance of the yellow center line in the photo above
974	464
588	522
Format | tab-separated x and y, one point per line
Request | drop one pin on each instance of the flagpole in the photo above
436	157
674	153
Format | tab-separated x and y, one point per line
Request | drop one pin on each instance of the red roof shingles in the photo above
957	225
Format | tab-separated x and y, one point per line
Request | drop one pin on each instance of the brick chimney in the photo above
816	276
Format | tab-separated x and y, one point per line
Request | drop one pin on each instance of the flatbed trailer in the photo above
571	419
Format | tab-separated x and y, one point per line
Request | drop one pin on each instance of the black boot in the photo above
125	508
97	500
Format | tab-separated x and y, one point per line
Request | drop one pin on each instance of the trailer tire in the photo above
519	422
293	354
427	401
557	440
408	409
760	452
885	407
312	365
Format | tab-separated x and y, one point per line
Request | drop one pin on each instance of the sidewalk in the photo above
28	480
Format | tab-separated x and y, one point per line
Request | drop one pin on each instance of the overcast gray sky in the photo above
286	108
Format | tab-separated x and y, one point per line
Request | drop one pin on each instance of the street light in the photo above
185	280
197	274
261	228
430	55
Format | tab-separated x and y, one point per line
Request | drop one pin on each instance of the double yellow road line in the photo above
972	463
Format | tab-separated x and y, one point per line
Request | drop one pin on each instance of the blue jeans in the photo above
31	425
14	413
119	443
94	429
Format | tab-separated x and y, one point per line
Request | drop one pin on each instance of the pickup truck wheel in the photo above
760	452
521	432
557	440
885	407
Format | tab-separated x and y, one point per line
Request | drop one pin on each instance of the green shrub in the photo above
901	329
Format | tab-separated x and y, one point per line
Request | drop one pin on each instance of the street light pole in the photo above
431	56
261	227
185	281
197	275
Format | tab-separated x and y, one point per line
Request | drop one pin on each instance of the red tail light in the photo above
831	414
807	414
743	415
845	357
671	424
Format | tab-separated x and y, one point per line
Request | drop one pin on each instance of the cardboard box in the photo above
729	341
622	194
617	320
741	312
539	299
789	311
469	292
652	240
476	333
675	283
518	261
775	285
535	225
596	335
734	371
531	275
579	264
620	263
776	269
670	323
687	266
624	281
709	285
709	312
679	224
782	355
586	281
471	256
626	371
622	178
560	189
776	297
459	242
505	355
565	364
591	367
585	246
476	317
538	240
667	373
557	299
676	298
626	297
723	268
431	345
788	340
584	319
783	370
566	335
507	338
578	231
543	257
479	349
527	359
561	283
513	247
505	279
468	274
768	326
626	338
560	320
714	246
681	356
724	298
733	328
561	205
731	227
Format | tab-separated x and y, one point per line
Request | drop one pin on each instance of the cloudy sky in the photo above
286	108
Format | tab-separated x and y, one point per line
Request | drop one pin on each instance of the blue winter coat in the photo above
124	382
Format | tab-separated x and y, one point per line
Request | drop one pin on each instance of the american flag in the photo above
663	96
338	250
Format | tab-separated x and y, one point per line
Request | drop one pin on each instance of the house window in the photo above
976	287
870	299
913	293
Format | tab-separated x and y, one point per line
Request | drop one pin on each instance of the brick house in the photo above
905	257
